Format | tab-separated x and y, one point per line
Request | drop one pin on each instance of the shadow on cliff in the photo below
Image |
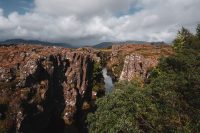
80	116
45	115
48	119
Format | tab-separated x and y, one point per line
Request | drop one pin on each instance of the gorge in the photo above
50	89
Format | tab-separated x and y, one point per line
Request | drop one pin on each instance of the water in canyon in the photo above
108	81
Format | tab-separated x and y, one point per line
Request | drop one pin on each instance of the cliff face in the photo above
132	61
136	66
49	89
43	88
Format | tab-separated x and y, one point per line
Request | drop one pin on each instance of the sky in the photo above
89	22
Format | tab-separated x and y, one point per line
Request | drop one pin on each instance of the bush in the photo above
126	109
169	103
98	83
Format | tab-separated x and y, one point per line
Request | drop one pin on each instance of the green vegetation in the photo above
118	65
183	39
118	113
169	102
198	31
98	80
98	84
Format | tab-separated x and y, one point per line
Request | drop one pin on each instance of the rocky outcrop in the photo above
43	88
136	66
132	60
49	89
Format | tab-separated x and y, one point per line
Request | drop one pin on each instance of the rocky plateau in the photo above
49	89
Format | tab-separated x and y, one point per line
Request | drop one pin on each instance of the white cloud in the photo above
81	8
93	21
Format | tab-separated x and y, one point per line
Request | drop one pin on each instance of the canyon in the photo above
50	89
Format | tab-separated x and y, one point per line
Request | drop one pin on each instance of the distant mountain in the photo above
22	41
109	44
103	45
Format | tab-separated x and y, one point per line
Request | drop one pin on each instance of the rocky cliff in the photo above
131	60
43	88
50	89
136	66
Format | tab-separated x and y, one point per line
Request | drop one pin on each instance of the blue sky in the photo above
87	22
20	6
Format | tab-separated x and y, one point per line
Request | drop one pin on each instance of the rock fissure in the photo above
51	89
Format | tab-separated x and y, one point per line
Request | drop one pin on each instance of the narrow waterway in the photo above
108	81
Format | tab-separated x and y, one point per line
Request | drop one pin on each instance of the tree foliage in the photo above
98	83
169	103
124	110
183	39
198	31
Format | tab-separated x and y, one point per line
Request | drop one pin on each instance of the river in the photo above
108	81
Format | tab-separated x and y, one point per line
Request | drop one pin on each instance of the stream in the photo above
108	81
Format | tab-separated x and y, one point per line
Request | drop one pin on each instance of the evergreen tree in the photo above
169	103
183	38
198	31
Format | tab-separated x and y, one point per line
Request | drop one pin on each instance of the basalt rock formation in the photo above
136	66
42	89
132	60
50	89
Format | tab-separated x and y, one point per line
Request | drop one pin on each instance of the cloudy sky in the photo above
81	22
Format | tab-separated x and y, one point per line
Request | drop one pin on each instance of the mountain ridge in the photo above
109	44
67	45
24	41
